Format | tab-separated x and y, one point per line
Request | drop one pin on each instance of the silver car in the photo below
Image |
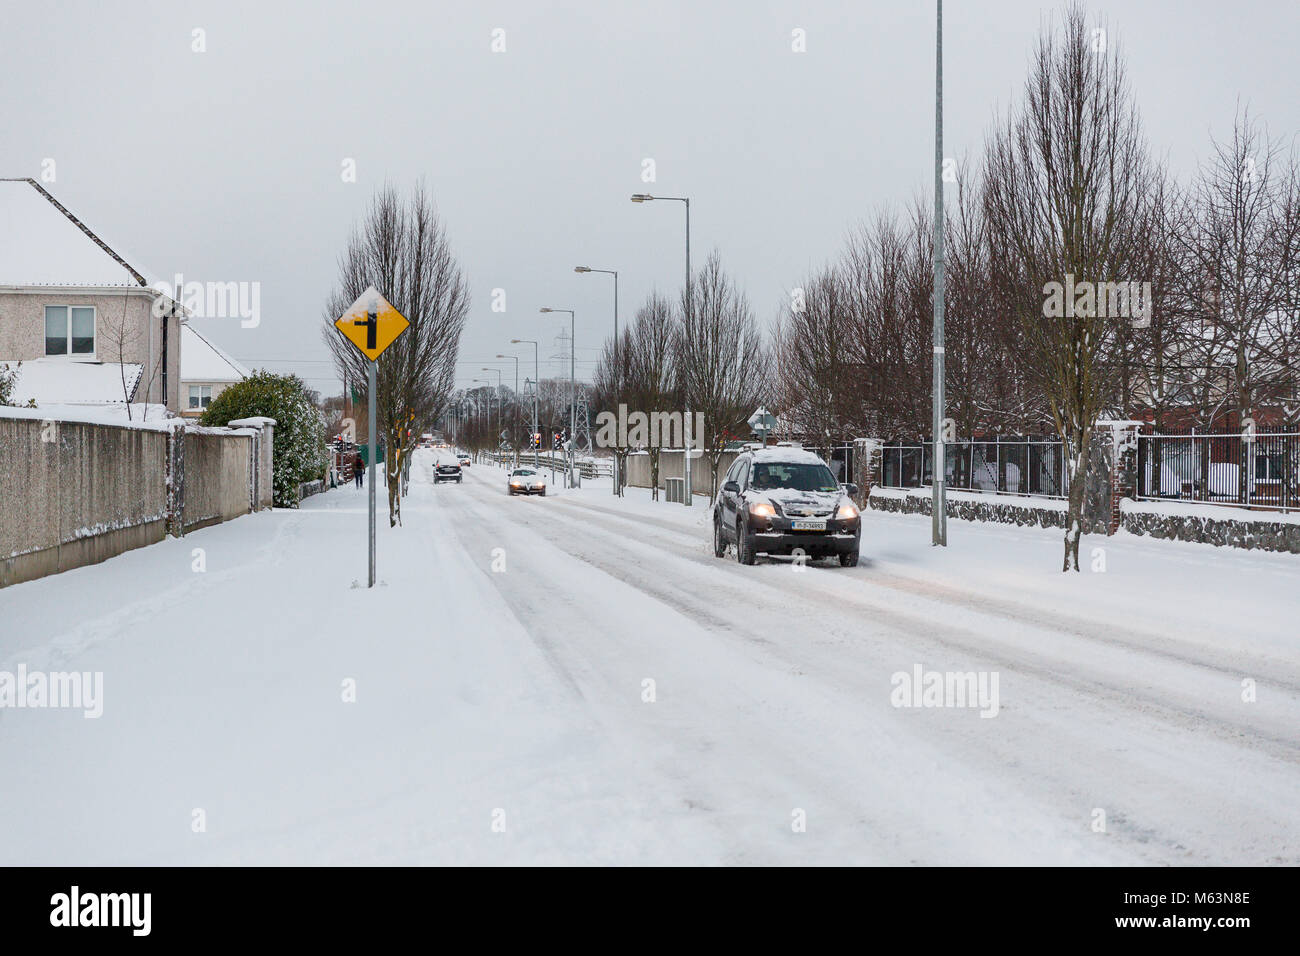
526	481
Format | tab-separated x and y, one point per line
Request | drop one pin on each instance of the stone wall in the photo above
1181	523
972	506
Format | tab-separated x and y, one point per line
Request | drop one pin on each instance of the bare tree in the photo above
401	248
652	378
1066	183
721	363
1239	245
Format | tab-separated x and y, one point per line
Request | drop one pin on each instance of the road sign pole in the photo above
371	324
370	396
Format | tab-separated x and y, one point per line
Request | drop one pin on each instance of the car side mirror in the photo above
851	490
731	488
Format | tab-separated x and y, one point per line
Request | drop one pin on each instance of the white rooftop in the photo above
40	245
202	361
61	381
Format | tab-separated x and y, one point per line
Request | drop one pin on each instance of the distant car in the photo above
783	500
525	481
464	460
447	471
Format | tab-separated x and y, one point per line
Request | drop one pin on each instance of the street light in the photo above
573	391
938	504
618	370
690	307
536	386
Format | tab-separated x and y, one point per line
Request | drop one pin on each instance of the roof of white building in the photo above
42	243
202	361
61	381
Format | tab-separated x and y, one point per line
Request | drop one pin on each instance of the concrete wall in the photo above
76	494
265	467
22	333
216	478
73	494
670	466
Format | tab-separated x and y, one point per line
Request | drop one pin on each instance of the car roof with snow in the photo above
789	456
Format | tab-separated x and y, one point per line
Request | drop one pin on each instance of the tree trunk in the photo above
1074	517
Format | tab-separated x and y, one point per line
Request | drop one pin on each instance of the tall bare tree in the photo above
401	248
721	362
652	378
1067	178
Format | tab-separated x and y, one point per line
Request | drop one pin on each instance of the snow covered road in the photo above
578	679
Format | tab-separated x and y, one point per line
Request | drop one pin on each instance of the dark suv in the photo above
447	471
783	500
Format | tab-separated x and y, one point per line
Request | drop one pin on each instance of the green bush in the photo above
299	449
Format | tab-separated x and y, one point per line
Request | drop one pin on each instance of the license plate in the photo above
809	524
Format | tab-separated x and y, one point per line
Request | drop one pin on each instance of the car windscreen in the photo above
522	472
796	476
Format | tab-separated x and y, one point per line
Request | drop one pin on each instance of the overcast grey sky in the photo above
226	165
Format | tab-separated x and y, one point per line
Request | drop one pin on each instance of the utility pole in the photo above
938	504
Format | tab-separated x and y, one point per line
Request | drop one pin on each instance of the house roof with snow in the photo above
202	361
56	381
42	243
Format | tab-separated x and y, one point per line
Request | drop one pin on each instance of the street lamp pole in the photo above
536	386
938	505
690	308
573	391
618	369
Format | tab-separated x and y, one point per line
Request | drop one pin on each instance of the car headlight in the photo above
847	511
762	509
515	483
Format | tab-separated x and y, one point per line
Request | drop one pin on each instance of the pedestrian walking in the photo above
359	472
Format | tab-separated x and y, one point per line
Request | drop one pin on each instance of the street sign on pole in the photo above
371	324
762	422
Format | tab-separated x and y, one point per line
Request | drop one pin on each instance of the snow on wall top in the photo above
201	361
61	381
40	245
146	417
257	421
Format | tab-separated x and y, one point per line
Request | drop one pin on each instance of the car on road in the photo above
463	459
785	501
447	471
526	481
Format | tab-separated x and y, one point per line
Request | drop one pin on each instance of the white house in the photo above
85	324
206	371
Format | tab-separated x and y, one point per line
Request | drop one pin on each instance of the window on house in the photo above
200	396
69	330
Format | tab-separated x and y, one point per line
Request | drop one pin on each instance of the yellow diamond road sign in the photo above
371	323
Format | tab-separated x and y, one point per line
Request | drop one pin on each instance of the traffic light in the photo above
536	440
556	441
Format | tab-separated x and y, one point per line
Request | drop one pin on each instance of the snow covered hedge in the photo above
299	451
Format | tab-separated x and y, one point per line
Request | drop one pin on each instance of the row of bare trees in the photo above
1083	282
703	353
